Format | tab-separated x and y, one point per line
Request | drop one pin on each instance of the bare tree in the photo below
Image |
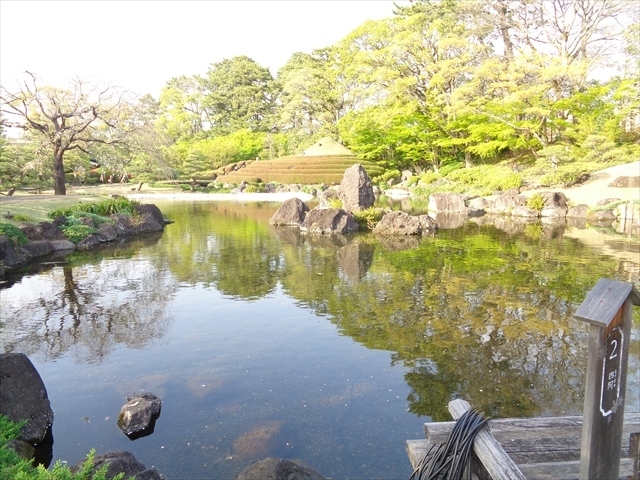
66	119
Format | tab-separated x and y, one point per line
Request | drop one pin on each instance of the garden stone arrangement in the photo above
48	238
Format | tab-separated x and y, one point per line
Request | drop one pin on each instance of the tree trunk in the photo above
59	187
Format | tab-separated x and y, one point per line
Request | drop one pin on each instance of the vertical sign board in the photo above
608	309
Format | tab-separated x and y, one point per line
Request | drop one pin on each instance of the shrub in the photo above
367	219
334	203
429	177
103	208
450	167
536	202
75	230
19	217
14	234
12	466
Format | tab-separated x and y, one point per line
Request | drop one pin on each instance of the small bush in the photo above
19	217
334	203
429	177
12	466
450	167
367	219
14	234
103	208
76	232
536	202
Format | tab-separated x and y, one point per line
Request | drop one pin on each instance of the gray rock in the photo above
8	255
152	211
51	231
504	204
37	248
122	224
329	220
108	231
32	232
554	212
356	189
398	223
62	246
137	414
87	243
278	469
626	182
23	449
524	212
122	462
290	212
447	202
579	211
23	396
554	199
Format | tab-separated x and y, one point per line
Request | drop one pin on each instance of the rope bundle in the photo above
447	461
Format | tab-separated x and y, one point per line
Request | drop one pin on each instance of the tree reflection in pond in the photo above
235	321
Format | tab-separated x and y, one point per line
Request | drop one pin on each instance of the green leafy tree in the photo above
238	94
180	111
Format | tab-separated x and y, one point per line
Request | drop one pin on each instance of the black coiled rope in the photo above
447	461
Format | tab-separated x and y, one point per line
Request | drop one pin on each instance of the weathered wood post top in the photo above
607	308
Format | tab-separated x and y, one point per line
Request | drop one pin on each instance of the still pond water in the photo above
328	351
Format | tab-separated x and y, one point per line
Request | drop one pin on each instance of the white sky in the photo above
140	45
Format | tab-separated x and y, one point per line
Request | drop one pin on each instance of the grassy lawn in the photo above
37	206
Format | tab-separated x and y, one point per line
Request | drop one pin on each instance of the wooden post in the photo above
608	309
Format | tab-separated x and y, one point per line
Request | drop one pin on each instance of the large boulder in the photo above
578	211
504	204
152	218
329	220
138	413
8	255
23	396
290	212
356	189
51	231
122	462
37	248
401	223
278	469
447	202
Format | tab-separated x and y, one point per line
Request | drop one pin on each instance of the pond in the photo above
330	351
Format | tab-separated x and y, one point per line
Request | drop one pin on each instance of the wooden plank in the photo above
567	470
535	426
535	441
498	464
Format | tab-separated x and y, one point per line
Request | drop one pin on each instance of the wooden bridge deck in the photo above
542	447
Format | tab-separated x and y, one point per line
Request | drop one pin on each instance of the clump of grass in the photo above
368	218
14	234
334	203
75	230
103	208
13	466
19	217
536	202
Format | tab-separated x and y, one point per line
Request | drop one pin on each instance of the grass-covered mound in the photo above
305	169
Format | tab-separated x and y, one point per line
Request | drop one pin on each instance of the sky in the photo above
140	45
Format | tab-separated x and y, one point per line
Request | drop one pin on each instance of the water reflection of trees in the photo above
87	310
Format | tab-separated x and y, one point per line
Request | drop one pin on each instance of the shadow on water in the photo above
329	350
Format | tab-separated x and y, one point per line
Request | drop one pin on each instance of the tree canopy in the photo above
440	84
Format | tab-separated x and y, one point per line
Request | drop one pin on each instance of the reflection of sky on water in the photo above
268	359
235	377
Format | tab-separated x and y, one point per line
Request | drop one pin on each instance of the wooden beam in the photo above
489	452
